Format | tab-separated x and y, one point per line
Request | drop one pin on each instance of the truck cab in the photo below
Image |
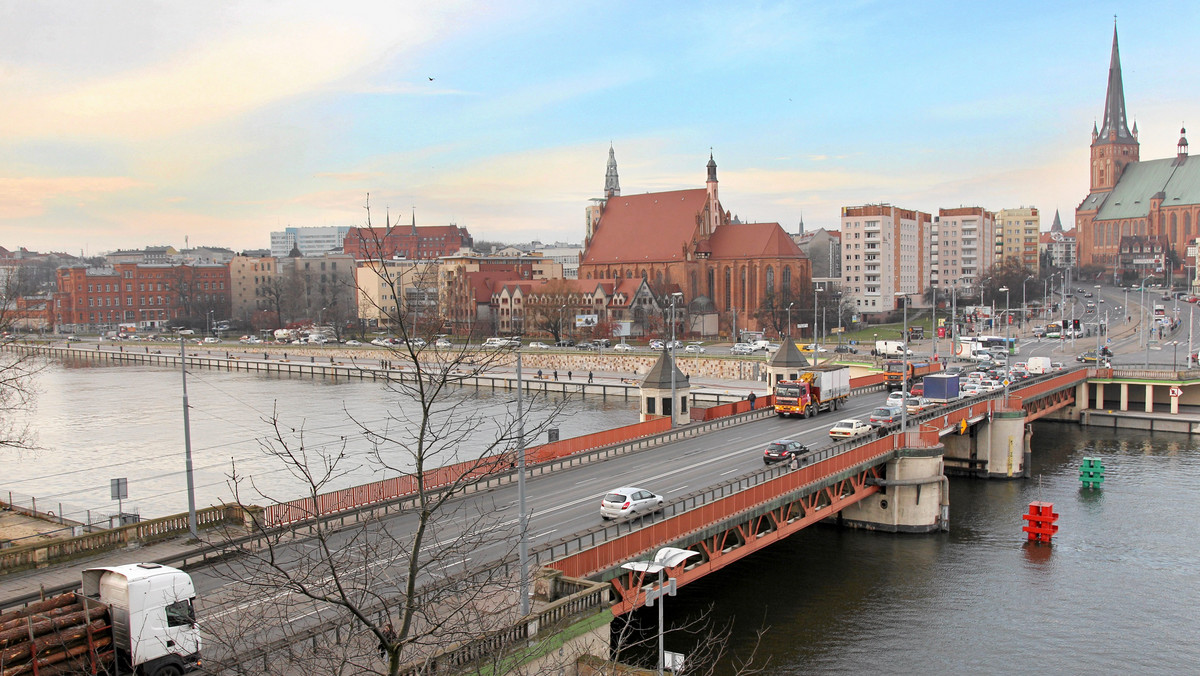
153	615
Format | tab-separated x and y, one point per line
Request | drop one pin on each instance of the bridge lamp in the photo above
1007	332
667	557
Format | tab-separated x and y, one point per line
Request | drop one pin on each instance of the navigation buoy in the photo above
1041	518
1091	472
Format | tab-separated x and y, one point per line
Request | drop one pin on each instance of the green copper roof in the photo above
1178	181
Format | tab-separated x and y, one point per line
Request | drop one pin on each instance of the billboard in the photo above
622	328
585	321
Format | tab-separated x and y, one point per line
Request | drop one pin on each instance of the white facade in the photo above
965	241
312	241
885	251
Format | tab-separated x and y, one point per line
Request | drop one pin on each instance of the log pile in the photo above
65	634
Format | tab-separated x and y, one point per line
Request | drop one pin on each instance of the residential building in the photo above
885	250
824	248
1057	246
1132	203
684	241
1017	233
618	307
310	241
468	280
148	295
395	290
252	280
154	255
966	246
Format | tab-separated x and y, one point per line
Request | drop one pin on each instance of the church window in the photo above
712	284
1187	226
787	278
643	274
728	288
770	280
1174	228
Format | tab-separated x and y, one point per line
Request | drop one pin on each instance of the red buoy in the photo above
1041	518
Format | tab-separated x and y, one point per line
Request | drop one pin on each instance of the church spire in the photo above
414	222
1057	225
1115	129
612	184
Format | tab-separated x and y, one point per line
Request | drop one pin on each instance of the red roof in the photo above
753	240
653	227
484	283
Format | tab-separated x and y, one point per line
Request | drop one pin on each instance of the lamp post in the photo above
522	515
904	374
674	403
789	313
1145	323
560	322
667	557
1007	337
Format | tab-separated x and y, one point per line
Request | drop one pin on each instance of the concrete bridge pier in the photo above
914	496
1006	437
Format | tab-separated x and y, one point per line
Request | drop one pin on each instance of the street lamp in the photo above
667	557
1007	337
674	403
816	347
561	310
789	311
904	374
1145	323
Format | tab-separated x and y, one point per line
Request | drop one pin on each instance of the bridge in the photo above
877	483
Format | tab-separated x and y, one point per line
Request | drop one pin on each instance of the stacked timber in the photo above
65	634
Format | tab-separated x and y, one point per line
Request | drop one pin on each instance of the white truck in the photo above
891	348
138	618
1039	366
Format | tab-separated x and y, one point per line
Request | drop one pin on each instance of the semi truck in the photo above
819	388
895	373
133	619
941	388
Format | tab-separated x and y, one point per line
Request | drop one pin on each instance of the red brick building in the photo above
410	242
685	241
1133	203
150	296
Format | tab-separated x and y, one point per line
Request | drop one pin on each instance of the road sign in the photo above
1176	392
802	326
1005	382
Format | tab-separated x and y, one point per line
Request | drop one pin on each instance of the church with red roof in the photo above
684	241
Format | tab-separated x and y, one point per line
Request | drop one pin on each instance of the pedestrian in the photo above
389	637
539	374
568	375
752	397
589	377
556	374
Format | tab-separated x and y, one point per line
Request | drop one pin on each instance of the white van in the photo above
1039	366
890	348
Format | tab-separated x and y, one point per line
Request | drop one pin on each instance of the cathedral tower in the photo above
1113	145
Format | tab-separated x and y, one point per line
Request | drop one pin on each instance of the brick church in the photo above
1139	216
684	241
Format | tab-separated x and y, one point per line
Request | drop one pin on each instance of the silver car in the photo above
628	501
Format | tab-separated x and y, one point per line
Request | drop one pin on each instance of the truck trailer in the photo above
818	388
941	388
132	619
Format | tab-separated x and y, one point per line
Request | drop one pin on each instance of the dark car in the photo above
585	345
566	342
845	349
784	449
1088	357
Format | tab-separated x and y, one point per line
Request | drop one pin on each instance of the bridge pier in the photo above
1007	453
914	496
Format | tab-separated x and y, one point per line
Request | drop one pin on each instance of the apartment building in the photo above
1017	236
311	241
964	245
886	250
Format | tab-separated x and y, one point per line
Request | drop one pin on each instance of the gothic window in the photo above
712	285
770	280
1187	226
693	284
1097	234
643	274
786	283
1174	228
728	288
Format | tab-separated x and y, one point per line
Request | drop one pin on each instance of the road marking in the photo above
542	535
731	471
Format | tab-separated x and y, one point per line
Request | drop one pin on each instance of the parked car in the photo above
884	415
443	343
211	339
622	347
657	344
416	343
566	342
695	348
586	345
741	348
849	428
845	349
538	345
812	347
628	501
784	449
353	343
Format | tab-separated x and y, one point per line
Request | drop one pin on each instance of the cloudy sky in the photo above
137	123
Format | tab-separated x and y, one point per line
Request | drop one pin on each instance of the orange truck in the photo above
894	371
819	388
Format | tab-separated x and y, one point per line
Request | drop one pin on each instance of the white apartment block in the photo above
885	250
312	241
964	245
1017	235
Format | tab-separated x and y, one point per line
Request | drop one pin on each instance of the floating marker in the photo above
1041	518
1091	472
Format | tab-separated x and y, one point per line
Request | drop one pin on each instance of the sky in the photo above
136	123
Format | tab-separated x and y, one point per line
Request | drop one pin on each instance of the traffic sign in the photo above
1005	382
1176	392
802	326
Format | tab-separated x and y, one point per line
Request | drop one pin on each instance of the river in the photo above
1116	592
98	422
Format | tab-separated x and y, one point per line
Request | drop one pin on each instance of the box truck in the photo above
941	388
820	388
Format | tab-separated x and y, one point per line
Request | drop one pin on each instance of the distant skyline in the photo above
141	123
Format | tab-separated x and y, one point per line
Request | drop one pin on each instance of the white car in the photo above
628	501
211	340
353	343
443	343
622	347
811	347
694	348
849	428
970	389
657	344
741	348
895	399
538	345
